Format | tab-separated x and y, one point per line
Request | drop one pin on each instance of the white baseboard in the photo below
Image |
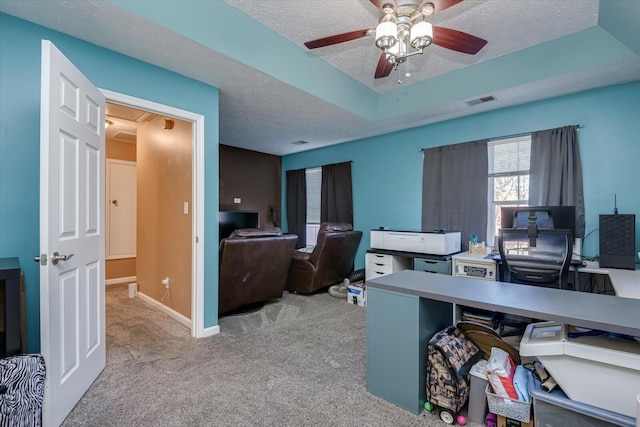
210	331
172	313
118	280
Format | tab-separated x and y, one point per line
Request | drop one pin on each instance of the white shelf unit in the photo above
472	266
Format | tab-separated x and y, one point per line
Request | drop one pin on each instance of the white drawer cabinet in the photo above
377	265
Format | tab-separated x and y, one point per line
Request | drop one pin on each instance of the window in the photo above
508	178
314	184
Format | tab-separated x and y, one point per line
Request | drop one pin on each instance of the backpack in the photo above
450	356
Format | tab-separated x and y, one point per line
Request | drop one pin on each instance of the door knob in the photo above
114	202
57	258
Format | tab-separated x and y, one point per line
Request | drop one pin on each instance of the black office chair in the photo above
541	258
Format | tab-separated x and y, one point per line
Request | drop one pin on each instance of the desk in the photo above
626	283
10	275
405	309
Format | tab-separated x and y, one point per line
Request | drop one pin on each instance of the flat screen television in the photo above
229	221
546	217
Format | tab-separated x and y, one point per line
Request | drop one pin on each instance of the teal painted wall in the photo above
20	142
387	170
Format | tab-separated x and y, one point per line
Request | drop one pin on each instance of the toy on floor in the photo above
448	417
491	420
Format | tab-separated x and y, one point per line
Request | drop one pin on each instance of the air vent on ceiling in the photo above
481	100
125	136
300	142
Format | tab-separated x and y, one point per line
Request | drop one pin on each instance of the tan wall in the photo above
121	150
164	166
115	268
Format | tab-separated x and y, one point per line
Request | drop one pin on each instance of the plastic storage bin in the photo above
556	409
477	408
601	371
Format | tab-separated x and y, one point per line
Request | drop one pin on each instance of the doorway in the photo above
169	158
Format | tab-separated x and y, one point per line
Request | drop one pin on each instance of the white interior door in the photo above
121	209
72	320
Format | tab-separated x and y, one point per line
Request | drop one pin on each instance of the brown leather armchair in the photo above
330	262
253	267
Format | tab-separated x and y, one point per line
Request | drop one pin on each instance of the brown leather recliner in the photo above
330	262
253	267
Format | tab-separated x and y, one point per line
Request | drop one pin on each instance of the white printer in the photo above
440	242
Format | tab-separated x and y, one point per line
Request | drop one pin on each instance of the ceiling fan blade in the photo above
457	40
381	3
384	68
338	38
438	5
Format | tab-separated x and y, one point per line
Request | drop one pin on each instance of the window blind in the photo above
314	183
509	156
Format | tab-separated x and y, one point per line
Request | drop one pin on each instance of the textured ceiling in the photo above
269	99
507	25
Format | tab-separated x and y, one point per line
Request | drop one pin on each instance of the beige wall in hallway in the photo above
115	268
121	150
164	174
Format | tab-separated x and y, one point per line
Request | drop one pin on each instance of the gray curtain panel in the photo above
297	205
454	189
556	171
336	200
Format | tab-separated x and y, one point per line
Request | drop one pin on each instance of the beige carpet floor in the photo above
299	361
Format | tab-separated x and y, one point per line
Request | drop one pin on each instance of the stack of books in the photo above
484	317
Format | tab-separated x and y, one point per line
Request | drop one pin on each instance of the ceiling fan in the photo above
402	26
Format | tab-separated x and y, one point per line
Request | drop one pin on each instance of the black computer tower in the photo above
617	241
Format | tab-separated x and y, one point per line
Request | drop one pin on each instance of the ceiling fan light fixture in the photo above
392	52
428	9
402	32
397	53
386	34
421	35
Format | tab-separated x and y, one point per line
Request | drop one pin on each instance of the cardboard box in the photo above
479	248
508	422
356	294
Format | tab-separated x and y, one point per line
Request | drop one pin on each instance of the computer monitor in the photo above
534	218
544	217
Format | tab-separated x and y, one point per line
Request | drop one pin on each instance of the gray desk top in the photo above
594	311
626	283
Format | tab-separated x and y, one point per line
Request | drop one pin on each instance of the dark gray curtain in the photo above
336	200
556	171
454	189
297	205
